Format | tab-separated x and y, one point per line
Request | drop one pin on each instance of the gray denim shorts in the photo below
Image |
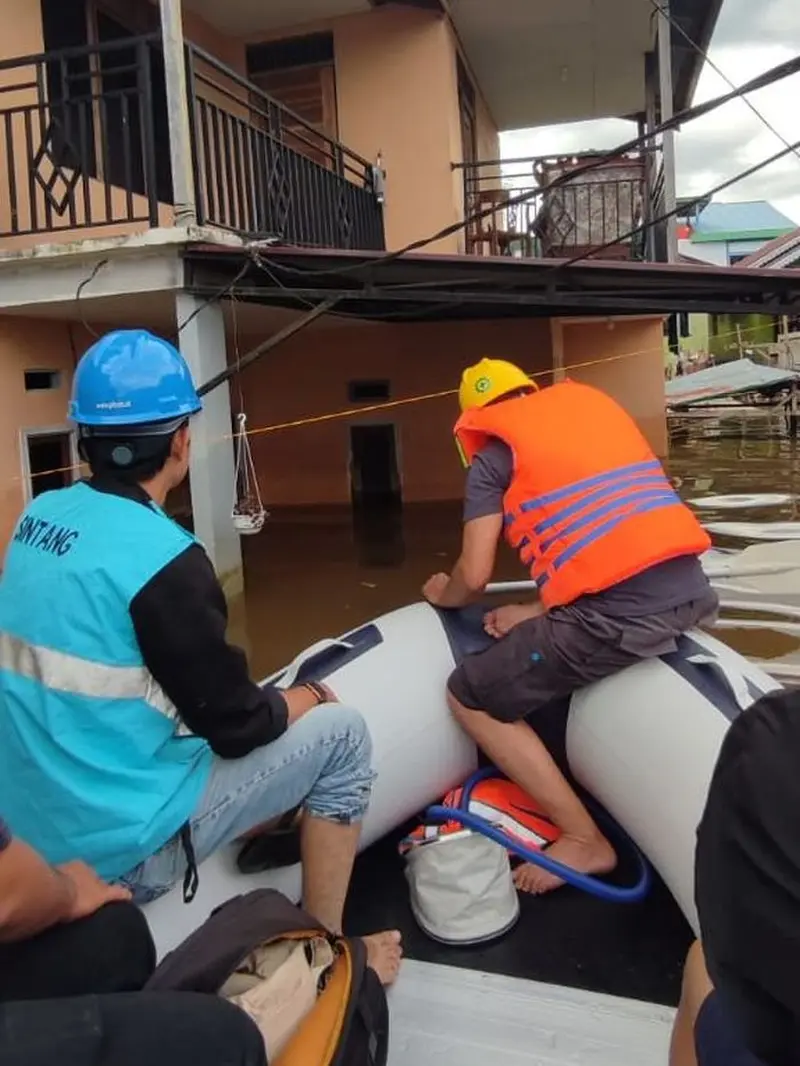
551	656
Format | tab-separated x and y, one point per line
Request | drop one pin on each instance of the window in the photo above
38	380
49	459
467	114
299	73
367	391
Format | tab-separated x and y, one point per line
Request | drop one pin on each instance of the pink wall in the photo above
29	344
625	357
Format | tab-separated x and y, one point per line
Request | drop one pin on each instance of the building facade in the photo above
134	133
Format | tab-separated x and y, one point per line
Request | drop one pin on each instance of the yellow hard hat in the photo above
489	380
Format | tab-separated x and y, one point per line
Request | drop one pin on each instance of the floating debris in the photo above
756	530
743	501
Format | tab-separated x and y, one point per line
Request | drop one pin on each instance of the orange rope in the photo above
349	412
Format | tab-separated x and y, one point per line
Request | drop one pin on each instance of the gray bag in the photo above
461	888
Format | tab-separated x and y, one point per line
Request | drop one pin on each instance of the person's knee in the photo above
235	1033
172	1027
343	790
460	710
351	733
121	930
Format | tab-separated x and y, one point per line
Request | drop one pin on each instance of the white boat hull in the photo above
643	742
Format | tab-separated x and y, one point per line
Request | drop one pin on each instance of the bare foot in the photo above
595	856
384	954
502	620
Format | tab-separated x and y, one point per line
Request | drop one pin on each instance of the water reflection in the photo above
315	573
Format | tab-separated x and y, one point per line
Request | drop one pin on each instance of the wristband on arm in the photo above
317	690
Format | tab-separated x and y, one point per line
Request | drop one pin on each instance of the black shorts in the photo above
716	1037
551	656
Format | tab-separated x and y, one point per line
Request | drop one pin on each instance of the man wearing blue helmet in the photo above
131	734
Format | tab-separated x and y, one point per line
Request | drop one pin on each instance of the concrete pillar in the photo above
211	475
654	204
180	140
557	343
666	96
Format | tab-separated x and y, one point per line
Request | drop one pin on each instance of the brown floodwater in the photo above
319	572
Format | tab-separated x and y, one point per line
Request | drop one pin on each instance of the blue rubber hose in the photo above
585	882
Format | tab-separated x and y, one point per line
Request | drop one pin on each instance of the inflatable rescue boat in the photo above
643	743
578	980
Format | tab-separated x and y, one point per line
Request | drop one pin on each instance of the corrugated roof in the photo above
725	221
782	252
717	382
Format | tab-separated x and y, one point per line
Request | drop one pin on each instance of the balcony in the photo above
592	213
84	146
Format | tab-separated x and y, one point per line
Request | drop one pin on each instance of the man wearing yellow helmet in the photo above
566	475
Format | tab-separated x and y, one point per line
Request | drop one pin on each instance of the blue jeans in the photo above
322	763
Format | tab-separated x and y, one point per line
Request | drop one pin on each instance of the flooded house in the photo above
216	171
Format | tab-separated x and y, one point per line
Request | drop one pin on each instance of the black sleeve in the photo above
180	618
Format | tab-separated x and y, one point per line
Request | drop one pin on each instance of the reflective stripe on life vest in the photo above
636	501
586	490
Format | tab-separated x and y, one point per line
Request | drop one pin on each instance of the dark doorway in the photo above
49	462
374	474
375	491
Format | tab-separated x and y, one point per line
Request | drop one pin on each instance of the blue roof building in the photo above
725	234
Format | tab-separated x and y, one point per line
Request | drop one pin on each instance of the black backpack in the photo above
349	1022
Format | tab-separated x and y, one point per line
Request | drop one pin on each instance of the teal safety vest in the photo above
94	763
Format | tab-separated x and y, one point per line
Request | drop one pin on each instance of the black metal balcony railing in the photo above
584	214
260	168
84	142
77	138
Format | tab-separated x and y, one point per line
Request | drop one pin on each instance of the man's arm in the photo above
487	482
35	896
473	570
181	618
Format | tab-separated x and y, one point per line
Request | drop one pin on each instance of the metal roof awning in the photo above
424	287
725	381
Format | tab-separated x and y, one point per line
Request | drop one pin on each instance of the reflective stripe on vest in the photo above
85	727
623	493
61	672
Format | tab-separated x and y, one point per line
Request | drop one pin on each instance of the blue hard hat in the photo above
131	378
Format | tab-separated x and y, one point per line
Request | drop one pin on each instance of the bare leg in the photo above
329	851
518	752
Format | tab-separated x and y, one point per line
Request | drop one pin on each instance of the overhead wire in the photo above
665	13
769	77
674	211
362	409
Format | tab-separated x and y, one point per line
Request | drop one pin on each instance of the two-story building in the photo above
214	170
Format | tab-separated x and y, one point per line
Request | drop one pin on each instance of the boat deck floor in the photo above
577	982
444	1016
566	938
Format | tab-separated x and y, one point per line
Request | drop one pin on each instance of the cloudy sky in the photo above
751	37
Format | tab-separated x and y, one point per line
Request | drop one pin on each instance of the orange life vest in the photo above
589	504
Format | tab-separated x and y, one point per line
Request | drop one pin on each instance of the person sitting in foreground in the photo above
705	1032
74	955
747	892
614	552
131	734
